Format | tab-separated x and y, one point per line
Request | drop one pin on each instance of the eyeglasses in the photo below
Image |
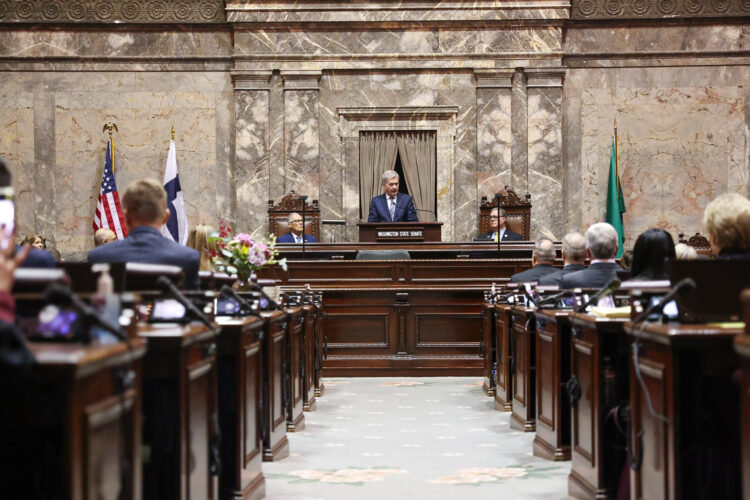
295	221
496	217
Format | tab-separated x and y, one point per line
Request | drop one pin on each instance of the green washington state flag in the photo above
615	200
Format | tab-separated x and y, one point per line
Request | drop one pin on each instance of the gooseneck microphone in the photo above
169	287
228	291
63	296
554	298
609	288
682	286
271	303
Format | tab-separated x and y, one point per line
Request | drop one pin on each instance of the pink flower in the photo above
245	239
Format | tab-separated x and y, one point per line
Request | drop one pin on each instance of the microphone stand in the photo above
498	196
303	197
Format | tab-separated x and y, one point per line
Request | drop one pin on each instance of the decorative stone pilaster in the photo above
301	132
519	131
252	149
493	129
545	174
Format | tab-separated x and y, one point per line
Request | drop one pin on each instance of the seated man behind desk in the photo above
573	254
392	206
295	231
497	224
144	205
601	248
542	261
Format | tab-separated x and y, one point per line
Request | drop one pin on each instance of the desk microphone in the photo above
609	288
61	295
271	303
683	286
227	291
167	286
554	298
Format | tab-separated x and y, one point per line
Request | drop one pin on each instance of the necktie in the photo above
298	239
392	208
497	235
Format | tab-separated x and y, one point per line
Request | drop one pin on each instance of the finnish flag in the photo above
177	226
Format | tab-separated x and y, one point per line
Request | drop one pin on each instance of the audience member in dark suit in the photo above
601	248
145	208
39	258
650	253
542	260
295	231
392	206
727	221
573	254
497	224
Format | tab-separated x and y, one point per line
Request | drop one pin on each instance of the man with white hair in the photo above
601	248
573	254
392	206
542	261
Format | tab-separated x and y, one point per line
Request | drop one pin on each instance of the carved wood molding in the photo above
110	11
656	9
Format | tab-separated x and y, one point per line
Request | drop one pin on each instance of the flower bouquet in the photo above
240	254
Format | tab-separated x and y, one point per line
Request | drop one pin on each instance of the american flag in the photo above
108	213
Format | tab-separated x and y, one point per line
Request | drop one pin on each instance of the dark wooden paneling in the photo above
552	439
503	359
308	355
294	362
523	416
488	348
275	443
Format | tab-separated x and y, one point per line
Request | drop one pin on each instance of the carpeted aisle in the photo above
430	438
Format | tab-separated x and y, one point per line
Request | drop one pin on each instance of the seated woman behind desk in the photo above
650	252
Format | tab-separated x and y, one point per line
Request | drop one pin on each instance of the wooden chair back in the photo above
517	212
278	214
697	241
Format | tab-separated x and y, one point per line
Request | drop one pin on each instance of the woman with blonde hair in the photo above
198	240
36	241
727	221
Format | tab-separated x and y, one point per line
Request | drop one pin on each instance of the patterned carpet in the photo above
431	438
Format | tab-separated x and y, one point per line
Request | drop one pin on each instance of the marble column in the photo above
493	130
302	132
519	130
545	174
252	150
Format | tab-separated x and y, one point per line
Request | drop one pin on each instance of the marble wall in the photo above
273	100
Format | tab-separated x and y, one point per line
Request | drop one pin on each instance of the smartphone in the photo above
167	310
7	215
56	323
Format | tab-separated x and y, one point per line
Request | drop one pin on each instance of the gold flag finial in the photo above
173	132
109	127
615	122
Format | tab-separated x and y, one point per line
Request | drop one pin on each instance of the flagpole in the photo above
617	161
109	127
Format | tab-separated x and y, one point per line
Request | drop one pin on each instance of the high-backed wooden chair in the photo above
278	214
697	241
517	212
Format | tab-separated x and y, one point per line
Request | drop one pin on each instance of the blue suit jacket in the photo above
289	238
146	244
405	211
38	258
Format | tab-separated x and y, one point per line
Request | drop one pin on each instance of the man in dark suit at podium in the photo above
497	224
392	206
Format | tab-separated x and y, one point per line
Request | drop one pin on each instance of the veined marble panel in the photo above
49	43
399	41
493	131
343	11
17	150
678	149
301	142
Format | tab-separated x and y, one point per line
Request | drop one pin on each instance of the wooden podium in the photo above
399	232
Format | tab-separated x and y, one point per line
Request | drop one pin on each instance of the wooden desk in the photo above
399	231
294	364
687	370
180	411
523	332
552	439
599	366
488	348
75	424
240	365
742	346
403	332
320	342
273	416
503	358
310	312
